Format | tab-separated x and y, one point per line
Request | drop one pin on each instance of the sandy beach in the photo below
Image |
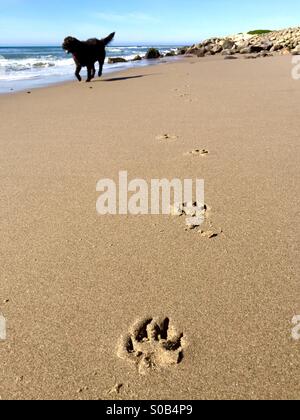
72	283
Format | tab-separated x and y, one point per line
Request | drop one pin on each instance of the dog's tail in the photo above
109	38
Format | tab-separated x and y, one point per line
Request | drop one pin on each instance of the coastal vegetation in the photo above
259	32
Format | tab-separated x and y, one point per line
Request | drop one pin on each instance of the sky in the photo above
180	22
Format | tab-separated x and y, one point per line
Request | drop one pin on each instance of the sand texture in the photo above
143	307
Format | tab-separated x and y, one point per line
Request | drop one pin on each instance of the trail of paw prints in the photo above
197	215
152	344
185	93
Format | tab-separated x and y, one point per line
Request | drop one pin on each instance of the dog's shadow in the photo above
120	79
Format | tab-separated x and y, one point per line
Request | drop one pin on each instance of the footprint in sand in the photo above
197	152
116	389
197	215
163	137
152	345
211	233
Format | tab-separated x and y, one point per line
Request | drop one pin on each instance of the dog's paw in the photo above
152	344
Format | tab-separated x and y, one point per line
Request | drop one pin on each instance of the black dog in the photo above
87	53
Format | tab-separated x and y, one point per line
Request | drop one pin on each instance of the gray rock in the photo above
137	58
182	51
296	50
216	49
201	52
228	44
114	60
192	50
255	48
230	57
170	54
152	53
227	52
267	45
246	50
276	47
207	42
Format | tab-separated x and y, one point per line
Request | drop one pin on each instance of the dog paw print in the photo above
197	152
195	212
166	136
152	344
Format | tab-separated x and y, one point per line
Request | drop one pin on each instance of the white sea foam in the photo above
43	65
31	68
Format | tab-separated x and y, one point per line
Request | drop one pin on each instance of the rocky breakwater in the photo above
251	44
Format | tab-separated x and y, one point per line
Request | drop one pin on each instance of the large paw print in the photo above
152	344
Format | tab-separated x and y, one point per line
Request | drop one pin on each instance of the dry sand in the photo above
73	282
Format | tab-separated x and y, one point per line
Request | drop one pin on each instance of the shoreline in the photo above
74	284
56	81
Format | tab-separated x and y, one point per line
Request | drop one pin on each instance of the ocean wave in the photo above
31	68
112	49
50	63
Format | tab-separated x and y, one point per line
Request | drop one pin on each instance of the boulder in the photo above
193	50
256	48
114	60
296	50
201	52
207	42
182	51
267	45
285	51
276	47
246	50
137	58
228	44
227	52
152	53
216	49
171	54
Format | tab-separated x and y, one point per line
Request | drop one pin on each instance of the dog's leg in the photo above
100	68
77	72
89	71
93	71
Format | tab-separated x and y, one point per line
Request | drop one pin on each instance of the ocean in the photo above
29	67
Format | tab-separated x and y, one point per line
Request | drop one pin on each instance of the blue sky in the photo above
38	22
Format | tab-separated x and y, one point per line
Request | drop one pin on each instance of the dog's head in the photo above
70	44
